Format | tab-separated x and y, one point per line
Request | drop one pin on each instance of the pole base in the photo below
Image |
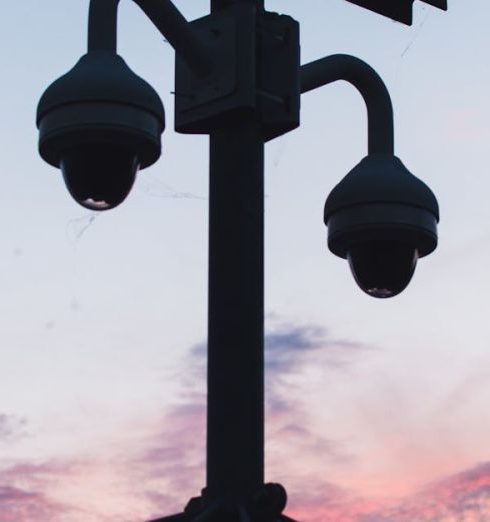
266	506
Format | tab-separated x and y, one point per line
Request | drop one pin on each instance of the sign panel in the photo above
399	10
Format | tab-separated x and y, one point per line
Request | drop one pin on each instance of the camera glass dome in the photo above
382	268
382	219
99	176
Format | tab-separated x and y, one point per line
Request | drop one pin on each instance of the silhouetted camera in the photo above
99	124
382	219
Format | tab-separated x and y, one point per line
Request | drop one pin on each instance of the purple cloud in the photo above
289	347
24	493
18	505
174	460
167	468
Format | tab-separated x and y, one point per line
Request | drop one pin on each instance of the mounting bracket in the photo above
256	67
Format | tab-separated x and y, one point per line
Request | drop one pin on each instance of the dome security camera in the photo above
382	219
100	123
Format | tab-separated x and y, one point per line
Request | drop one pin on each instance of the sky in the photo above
377	410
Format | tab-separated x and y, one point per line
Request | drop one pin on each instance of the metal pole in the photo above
369	84
235	436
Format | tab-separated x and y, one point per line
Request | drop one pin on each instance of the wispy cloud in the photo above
289	347
18	505
294	351
12	428
163	465
24	492
173	458
171	464
104	488
160	472
463	497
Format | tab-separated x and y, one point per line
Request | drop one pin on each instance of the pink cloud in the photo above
18	505
24	492
160	477
156	472
461	497
129	482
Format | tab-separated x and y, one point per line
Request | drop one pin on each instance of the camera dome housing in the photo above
382	219
99	124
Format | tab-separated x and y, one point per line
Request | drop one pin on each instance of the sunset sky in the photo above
377	410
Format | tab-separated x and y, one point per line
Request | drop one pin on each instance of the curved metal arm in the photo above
102	30
368	83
